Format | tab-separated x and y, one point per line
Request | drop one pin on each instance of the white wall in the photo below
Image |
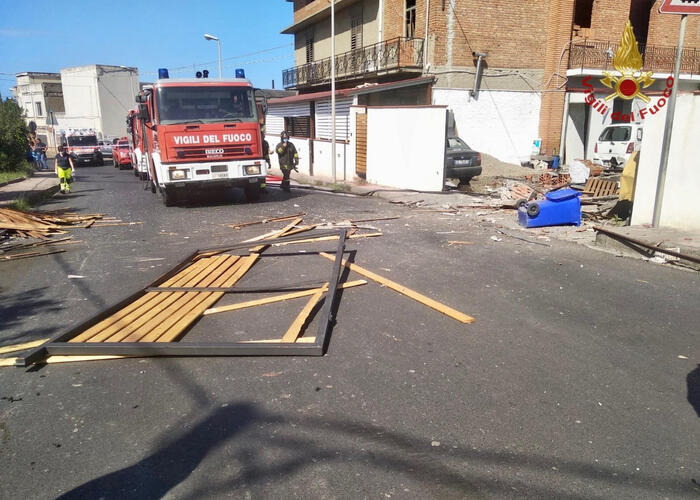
500	123
116	93
81	97
99	97
682	188
322	161
403	155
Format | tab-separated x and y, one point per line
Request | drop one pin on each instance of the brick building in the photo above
505	69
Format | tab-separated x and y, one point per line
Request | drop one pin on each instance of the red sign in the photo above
680	7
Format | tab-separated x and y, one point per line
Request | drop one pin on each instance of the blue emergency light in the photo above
163	73
240	73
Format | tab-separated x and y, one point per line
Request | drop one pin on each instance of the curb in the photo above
14	181
33	196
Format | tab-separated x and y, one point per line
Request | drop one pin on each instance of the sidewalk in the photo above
42	183
617	241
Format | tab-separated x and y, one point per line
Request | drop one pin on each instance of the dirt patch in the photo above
493	173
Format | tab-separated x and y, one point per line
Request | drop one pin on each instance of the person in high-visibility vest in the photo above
288	159
65	169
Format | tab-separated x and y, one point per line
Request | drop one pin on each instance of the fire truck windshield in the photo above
205	104
82	140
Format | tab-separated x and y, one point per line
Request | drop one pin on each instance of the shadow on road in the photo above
15	308
273	447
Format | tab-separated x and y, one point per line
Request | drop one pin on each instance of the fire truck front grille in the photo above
210	152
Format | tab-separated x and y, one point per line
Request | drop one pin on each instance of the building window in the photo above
410	18
309	48
356	32
583	13
38	108
298	126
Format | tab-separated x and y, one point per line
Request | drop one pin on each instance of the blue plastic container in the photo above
560	207
555	162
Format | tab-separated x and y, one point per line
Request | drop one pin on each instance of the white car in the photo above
616	143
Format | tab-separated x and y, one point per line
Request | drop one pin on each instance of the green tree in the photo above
13	136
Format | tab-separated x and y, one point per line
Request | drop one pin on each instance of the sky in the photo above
48	35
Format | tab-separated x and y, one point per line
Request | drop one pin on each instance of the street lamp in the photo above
207	36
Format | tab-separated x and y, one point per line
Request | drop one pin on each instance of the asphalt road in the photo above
578	379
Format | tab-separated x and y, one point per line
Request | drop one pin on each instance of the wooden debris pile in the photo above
42	225
155	320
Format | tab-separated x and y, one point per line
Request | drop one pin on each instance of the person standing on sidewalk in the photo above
288	159
65	168
40	149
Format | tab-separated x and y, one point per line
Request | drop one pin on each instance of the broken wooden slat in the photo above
329	238
265	221
20	347
63	359
277	298
300	340
28	255
427	301
299	322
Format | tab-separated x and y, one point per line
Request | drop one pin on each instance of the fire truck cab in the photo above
201	133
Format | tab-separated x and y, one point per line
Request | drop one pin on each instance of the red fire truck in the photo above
201	133
134	129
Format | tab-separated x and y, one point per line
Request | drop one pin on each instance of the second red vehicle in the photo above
120	154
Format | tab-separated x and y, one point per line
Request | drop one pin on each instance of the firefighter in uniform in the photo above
288	159
64	169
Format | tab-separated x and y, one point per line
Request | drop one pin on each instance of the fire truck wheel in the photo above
169	197
252	193
142	176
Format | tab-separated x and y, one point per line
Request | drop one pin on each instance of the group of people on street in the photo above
65	167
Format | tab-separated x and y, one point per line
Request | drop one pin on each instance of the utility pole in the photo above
333	90
666	146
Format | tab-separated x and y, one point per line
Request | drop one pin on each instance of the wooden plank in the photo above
299	322
20	347
328	238
427	301
28	255
199	306
300	340
277	298
146	300
27	227
63	359
174	306
264	221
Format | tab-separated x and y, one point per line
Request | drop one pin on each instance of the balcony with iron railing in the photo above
598	55
396	55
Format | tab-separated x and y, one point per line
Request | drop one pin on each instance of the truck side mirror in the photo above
143	112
